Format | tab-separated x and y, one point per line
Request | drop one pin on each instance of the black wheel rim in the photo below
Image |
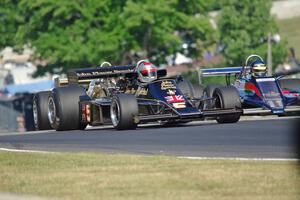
218	102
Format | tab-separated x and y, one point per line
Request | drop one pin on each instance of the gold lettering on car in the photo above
142	91
130	91
165	85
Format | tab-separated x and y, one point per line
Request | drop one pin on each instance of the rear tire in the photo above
186	88
198	90
122	111
64	112
227	97
40	110
190	90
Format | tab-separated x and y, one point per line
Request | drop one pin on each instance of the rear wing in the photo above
221	71
227	71
86	74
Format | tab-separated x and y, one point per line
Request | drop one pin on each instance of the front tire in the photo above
227	97
122	111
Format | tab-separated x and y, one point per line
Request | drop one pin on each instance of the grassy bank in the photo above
101	176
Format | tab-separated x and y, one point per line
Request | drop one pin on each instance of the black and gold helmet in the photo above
258	69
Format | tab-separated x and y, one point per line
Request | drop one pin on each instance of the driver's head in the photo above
258	69
147	72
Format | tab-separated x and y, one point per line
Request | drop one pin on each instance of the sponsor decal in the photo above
97	73
165	85
171	92
179	105
265	79
142	91
130	90
250	87
175	99
288	93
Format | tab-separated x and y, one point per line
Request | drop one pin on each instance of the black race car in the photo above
126	96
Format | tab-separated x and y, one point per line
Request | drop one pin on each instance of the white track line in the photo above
184	157
24	151
239	159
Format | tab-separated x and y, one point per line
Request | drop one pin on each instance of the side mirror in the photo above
161	73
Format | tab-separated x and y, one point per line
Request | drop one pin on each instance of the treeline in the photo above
83	33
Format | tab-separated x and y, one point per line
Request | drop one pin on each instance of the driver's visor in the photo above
149	72
259	68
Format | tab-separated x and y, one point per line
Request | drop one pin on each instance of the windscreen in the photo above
268	88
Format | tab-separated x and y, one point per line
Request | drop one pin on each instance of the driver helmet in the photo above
146	71
258	69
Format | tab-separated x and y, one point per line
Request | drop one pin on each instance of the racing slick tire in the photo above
64	112
227	97
40	110
122	111
208	93
190	90
198	93
198	90
186	88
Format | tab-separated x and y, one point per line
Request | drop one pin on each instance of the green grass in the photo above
101	176
290	29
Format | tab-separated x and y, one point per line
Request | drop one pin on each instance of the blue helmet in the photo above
258	68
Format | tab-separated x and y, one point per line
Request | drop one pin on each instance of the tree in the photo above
9	22
244	27
72	34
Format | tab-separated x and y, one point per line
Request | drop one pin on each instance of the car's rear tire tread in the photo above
68	112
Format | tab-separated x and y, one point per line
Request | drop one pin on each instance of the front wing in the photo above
255	111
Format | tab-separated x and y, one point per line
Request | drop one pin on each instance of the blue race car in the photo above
126	96
259	93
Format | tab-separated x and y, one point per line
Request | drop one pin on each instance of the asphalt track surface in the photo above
245	139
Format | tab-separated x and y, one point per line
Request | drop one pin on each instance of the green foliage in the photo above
244	27
9	21
72	34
